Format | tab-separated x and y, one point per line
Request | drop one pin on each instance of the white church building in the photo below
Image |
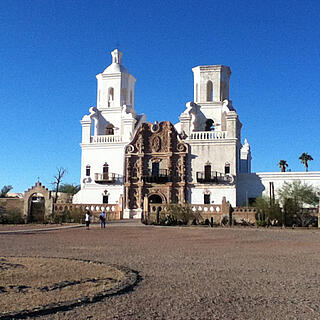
199	160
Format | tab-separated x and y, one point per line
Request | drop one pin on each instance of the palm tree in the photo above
283	165
4	191
304	158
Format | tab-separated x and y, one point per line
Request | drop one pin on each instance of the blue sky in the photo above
51	51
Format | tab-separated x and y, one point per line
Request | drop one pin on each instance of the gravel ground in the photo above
192	273
14	227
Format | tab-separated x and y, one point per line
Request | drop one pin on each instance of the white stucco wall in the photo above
216	194
256	184
218	153
96	155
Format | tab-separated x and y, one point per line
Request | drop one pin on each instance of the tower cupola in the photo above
211	83
115	85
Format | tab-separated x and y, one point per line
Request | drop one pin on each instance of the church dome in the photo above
116	66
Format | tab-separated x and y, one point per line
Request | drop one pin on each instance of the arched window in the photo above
209	125
227	168
223	91
110	96
131	97
209	91
88	170
207	172
105	171
109	129
124	95
206	198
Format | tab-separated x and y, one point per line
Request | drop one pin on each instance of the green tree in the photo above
268	211
304	158
295	197
4	191
283	165
69	188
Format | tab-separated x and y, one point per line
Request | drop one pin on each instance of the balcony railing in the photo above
160	176
207	135
213	177
106	177
106	139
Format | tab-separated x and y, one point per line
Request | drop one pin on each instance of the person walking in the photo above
103	219
88	219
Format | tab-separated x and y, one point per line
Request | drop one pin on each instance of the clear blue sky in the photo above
51	51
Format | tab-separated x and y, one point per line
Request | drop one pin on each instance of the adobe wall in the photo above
11	204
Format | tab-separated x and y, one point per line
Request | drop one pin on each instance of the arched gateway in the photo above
155	168
37	203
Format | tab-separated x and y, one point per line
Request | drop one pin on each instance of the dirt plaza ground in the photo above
190	273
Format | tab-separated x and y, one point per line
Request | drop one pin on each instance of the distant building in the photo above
199	160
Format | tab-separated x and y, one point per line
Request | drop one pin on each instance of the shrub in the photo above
261	223
11	217
224	221
75	215
181	214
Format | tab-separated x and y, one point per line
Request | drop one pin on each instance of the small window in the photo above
209	91
207	171
105	199
88	171
227	168
124	95
206	198
155	169
105	171
110	94
109	129
209	125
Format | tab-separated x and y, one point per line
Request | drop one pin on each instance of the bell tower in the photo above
115	85
211	83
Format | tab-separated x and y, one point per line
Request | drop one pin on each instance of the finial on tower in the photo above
116	56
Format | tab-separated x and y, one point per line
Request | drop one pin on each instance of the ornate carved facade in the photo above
155	166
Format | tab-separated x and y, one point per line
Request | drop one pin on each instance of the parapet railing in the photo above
214	177
207	135
106	139
113	211
107	177
205	211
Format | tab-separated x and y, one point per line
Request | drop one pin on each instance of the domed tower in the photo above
106	130
115	85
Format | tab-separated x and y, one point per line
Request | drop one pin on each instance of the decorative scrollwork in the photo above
129	148
230	178
155	127
156	143
181	147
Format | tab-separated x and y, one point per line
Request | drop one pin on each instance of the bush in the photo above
75	215
224	221
11	217
261	223
181	214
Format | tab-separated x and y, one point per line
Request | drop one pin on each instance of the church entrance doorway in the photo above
155	199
